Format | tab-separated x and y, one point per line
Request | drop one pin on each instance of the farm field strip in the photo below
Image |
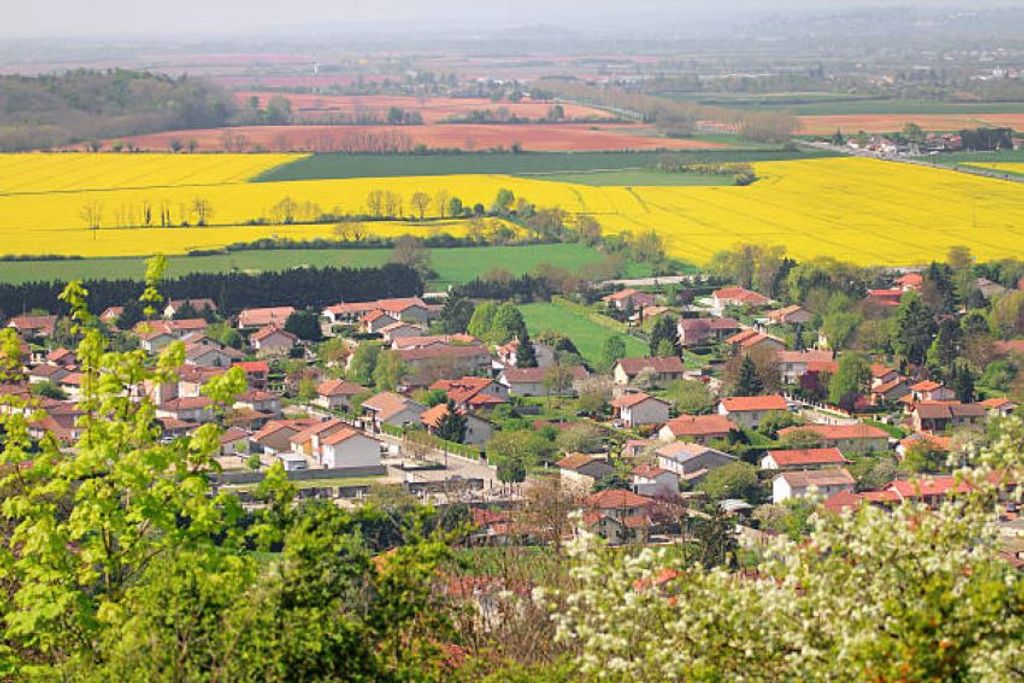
883	123
868	211
1016	168
465	136
433	109
455	264
80	172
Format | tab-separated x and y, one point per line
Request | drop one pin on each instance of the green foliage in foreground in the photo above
120	563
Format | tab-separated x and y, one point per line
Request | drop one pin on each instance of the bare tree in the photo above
283	212
392	204
420	201
202	211
92	215
441	199
375	203
547	506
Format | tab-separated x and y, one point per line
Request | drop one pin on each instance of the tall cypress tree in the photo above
452	426
526	356
748	383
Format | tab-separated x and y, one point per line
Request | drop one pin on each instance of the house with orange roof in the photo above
397	330
691	461
697	428
628	299
375	321
699	331
255	318
885	298
999	406
849	439
196	409
390	408
909	282
930	390
848	500
790	315
660	370
933	442
472	393
478	430
890	391
429	364
748	411
337	394
739	297
275	436
652	481
618	516
796	484
938	416
881	374
257	372
795	364
636	409
803	459
348	448
272	341
930	490
29	326
531	381
748	340
580	471
308	440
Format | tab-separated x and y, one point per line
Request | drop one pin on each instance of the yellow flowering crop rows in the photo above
861	210
1008	167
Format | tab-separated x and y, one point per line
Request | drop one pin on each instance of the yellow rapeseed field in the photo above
862	210
1008	167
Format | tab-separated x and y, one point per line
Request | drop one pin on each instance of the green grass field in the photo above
588	336
957	158
824	104
452	264
324	166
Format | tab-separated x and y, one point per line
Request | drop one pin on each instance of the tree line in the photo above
55	110
300	287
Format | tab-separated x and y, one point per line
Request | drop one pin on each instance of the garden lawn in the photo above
588	336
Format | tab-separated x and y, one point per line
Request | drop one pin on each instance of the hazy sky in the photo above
184	18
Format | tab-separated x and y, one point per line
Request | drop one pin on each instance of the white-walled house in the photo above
349	448
748	411
654	482
796	484
272	340
637	409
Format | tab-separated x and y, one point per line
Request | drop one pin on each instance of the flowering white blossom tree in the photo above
913	594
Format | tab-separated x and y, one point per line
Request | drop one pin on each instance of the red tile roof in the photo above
839	432
616	499
260	317
742	404
741	295
807	456
633	399
700	425
339	387
265	332
660	365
